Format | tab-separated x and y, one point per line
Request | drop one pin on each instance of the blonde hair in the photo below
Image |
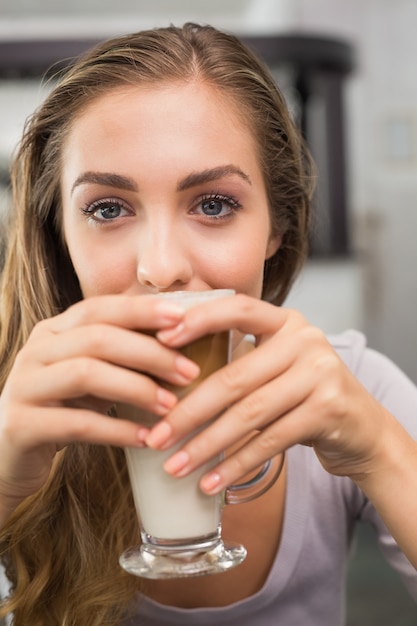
61	545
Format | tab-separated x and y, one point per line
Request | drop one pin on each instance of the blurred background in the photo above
348	70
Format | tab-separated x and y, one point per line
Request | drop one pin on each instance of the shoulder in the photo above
380	376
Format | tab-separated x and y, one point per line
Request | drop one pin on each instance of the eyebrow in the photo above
192	180
105	178
209	175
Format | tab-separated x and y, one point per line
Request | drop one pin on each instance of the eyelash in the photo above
90	209
233	204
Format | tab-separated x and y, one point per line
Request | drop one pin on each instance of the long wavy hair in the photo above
61	546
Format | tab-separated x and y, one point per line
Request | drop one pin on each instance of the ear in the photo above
273	245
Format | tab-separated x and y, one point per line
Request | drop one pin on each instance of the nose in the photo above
163	259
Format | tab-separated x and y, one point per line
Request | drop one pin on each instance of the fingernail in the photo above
142	434
170	334
159	435
186	368
210	483
177	462
166	399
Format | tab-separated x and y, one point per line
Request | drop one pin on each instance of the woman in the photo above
167	160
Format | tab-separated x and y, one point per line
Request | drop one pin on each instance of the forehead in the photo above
164	121
183	102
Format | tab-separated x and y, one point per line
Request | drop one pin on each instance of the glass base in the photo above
148	561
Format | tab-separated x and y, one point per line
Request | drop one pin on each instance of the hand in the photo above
72	369
292	388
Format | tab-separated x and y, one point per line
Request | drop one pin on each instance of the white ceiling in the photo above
43	18
81	7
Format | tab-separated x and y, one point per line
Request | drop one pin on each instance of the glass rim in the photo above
206	294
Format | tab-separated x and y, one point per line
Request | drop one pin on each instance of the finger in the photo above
133	312
123	347
249	457
62	425
242	313
281	434
84	376
256	412
322	420
244	378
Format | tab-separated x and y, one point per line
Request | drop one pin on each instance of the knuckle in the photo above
330	394
267	443
314	336
97	337
252	408
234	377
245	305
37	335
10	423
329	374
80	427
78	371
83	311
41	327
21	356
327	366
296	317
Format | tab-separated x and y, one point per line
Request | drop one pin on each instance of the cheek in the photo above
101	274
238	267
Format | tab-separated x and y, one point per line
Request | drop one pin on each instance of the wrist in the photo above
392	468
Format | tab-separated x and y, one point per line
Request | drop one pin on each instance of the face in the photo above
162	191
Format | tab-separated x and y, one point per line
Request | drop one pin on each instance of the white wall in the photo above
381	100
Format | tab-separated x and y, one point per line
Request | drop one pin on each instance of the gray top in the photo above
306	584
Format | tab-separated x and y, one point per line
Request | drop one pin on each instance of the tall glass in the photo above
180	525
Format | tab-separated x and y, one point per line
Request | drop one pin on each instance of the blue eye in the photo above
212	207
110	211
216	206
106	210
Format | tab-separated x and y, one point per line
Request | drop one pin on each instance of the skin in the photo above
150	205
